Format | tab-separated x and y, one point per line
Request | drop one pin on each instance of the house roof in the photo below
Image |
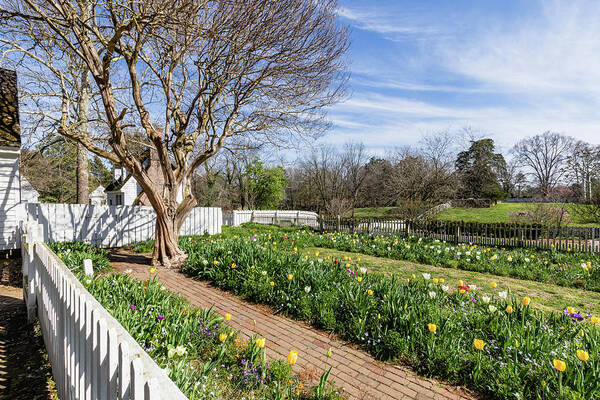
27	187
98	192
9	110
116	185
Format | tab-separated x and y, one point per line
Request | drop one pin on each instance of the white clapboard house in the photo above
10	150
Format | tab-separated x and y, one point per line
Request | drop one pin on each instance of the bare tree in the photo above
353	160
324	169
584	166
545	156
219	69
508	174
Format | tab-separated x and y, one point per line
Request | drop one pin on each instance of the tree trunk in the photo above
83	185
83	111
166	250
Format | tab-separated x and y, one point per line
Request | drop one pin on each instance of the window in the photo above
119	199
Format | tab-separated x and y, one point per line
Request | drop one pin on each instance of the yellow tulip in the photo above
570	310
292	357
594	320
526	301
442	280
260	343
223	337
152	270
227	316
559	365
370	292
479	344
583	355
493	285
272	283
509	309
432	328
435	280
290	277
359	279
233	265
460	283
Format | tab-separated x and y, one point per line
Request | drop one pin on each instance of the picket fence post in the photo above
91	355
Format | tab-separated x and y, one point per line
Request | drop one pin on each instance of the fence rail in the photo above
273	217
112	226
568	238
91	354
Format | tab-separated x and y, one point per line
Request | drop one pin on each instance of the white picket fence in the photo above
92	355
112	226
274	217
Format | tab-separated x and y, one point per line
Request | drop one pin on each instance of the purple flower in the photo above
132	307
161	317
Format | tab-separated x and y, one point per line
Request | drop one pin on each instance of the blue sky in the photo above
506	69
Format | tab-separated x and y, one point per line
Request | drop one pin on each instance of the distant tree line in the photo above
336	180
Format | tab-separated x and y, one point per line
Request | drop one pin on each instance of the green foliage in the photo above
73	254
389	317
264	186
478	167
98	171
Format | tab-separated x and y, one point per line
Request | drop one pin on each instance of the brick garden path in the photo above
357	372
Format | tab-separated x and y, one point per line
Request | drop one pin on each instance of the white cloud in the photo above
386	22
511	76
383	122
555	51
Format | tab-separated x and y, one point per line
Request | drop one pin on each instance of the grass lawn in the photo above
544	296
496	213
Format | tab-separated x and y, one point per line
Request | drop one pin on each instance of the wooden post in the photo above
456	233
88	270
338	223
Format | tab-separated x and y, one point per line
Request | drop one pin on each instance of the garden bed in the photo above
498	345
201	353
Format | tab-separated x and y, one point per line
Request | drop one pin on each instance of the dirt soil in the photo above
25	372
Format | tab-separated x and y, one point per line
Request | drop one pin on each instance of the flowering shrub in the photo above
200	352
542	214
496	344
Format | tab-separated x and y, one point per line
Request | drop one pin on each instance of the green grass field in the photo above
546	297
496	213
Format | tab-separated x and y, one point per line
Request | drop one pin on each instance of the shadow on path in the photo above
25	372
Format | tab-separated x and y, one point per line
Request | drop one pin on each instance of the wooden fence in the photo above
112	226
568	238
91	354
272	217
